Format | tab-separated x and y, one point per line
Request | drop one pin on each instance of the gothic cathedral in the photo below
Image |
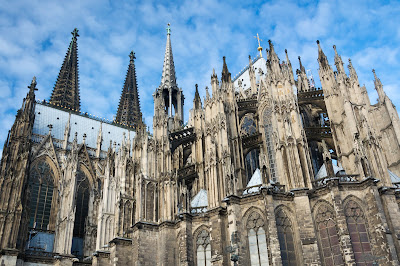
268	170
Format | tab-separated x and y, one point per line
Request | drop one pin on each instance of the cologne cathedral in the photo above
268	170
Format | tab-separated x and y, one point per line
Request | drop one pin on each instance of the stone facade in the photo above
235	186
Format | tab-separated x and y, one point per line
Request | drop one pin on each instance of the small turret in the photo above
323	61
197	101
379	87
226	75
338	62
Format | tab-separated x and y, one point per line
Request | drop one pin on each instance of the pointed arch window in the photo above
286	238
203	249
328	236
127	219
357	226
81	212
257	240
42	186
252	162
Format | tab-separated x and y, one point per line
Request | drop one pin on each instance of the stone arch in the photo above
327	233
358	228
288	236
35	190
202	245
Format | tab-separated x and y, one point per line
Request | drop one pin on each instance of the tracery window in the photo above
127	219
41	182
257	240
203	249
357	226
248	126
252	162
81	212
328	236
286	238
269	142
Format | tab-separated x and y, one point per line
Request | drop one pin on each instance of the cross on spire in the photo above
75	33
132	56
169	29
259	44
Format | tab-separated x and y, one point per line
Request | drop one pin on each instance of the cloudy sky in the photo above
34	37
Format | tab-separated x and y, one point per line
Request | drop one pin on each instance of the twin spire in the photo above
129	113
66	89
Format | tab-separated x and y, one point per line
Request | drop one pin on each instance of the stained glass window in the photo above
286	238
203	249
269	142
357	226
248	126
328	236
257	240
41	183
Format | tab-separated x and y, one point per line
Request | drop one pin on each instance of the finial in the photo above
285	51
32	87
169	29
259	44
334	48
213	71
223	58
50	126
75	33
132	56
76	135
84	137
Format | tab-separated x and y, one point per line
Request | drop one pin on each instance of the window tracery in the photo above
328	236
357	226
286	238
42	187
248	126
203	249
257	240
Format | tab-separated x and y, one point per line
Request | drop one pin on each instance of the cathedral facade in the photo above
268	170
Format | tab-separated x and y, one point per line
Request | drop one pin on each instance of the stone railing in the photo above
250	190
39	253
201	209
321	182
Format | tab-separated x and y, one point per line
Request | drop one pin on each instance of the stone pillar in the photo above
273	242
167	244
218	238
8	257
101	258
145	244
185	243
306	228
393	217
121	251
234	235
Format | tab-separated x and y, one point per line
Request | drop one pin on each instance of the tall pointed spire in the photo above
338	62
168	78
197	101
226	75
66	90
129	113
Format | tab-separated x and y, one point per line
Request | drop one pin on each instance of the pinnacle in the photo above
168	79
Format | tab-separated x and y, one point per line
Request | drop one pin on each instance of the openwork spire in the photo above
129	113
168	79
66	90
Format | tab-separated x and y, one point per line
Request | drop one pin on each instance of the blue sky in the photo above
34	37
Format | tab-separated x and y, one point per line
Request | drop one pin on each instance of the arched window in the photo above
203	249
252	162
357	226
81	212
248	126
286	238
328	236
41	182
257	240
269	143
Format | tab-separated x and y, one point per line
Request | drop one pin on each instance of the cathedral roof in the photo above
66	89
243	77
129	104
200	200
81	124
